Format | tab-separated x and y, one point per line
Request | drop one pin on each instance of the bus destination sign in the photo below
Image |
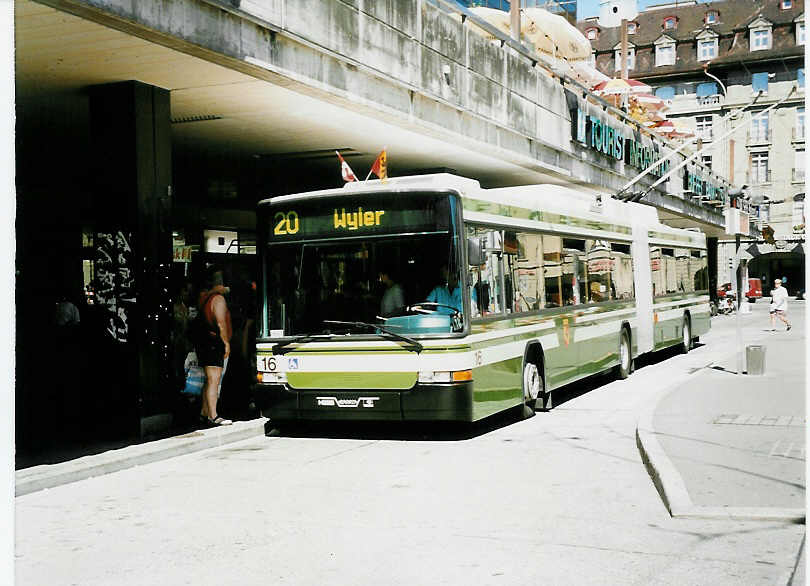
307	220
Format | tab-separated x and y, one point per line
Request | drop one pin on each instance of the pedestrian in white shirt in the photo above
779	299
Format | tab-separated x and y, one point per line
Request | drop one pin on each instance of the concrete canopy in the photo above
217	109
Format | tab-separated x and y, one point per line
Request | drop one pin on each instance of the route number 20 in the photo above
286	223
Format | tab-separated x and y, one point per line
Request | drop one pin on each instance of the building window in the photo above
760	39
707	161
592	34
798	213
711	17
631	28
631	58
759	168
592	59
703	127
670	22
786	4
705	89
800	33
800	77
707	49
664	55
666	92
759	82
800	123
798	166
759	129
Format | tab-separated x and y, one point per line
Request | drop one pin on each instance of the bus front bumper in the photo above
423	402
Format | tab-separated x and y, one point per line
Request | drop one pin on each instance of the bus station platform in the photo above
726	446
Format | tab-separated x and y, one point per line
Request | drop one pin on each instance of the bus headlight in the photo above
444	376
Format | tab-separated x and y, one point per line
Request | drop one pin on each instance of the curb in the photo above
37	478
669	483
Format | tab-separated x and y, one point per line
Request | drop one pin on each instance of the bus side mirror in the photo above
475	252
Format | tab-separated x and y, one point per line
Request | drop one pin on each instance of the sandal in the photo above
218	420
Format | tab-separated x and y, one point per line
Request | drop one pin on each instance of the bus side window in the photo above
487	280
698	270
527	273
553	270
598	265
657	271
621	271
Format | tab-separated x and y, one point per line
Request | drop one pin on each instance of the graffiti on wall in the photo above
115	281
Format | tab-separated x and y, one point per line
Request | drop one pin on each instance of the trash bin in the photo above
755	359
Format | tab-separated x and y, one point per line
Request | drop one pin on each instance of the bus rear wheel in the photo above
532	388
686	342
625	356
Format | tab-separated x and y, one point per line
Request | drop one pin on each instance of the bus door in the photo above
643	289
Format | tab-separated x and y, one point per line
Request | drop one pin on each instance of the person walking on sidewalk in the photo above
779	299
213	346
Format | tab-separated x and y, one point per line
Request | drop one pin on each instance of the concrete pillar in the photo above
711	254
131	157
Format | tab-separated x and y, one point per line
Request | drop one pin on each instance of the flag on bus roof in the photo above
345	170
380	167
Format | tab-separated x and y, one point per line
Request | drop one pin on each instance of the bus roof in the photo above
549	197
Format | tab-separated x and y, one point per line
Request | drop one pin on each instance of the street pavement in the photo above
562	498
738	442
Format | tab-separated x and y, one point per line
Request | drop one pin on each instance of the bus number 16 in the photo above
286	223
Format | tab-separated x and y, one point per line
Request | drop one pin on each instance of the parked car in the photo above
754	290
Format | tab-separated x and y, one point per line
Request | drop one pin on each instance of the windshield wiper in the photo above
283	347
412	344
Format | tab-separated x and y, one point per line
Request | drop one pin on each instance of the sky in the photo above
586	8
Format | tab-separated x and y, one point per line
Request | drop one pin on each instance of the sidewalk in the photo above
730	446
36	478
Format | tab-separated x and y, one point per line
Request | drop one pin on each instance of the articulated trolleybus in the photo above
428	298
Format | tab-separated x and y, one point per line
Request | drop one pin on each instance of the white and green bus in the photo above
500	296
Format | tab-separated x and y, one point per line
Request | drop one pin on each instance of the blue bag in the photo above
195	376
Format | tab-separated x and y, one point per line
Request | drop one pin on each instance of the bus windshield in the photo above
384	258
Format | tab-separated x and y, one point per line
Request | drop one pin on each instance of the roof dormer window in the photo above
631	57
760	35
707	45
631	28
712	16
670	22
664	51
592	33
786	4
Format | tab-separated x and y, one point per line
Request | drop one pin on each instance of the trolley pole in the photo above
738	289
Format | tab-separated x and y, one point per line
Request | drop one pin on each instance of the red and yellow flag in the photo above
380	167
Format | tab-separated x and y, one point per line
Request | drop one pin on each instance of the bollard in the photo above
755	359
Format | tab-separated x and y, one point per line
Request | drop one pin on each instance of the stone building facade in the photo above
720	65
